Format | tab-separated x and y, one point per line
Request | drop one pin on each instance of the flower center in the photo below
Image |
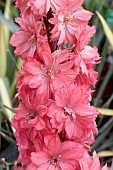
31	115
66	18
48	72
69	112
32	38
55	160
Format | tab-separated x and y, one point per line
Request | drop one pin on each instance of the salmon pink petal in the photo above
31	166
39	158
36	81
69	128
75	4
105	167
18	38
83	14
66	166
46	166
33	67
22	48
84	110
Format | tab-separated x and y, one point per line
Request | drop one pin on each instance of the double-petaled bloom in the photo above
86	163
69	113
55	155
31	38
67	22
47	77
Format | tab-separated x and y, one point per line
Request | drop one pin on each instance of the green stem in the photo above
104	84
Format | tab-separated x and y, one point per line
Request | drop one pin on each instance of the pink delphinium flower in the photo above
31	111
86	163
25	6
90	80
56	155
29	140
22	4
28	40
25	145
66	23
70	113
90	55
86	59
54	73
83	36
44	6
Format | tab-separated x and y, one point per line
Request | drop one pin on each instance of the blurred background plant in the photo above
101	98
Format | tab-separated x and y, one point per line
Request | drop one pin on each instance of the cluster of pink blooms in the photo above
54	122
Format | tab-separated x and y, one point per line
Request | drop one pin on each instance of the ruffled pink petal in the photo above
39	158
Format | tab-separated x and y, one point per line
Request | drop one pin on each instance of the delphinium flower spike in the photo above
54	121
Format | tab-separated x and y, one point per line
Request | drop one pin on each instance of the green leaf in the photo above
8	138
104	84
9	23
13	84
105	112
5	98
108	102
107	124
4	40
101	137
14	11
107	30
109	17
89	4
103	59
105	154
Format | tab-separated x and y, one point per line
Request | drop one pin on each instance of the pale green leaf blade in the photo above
107	30
4	94
4	40
105	154
105	112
